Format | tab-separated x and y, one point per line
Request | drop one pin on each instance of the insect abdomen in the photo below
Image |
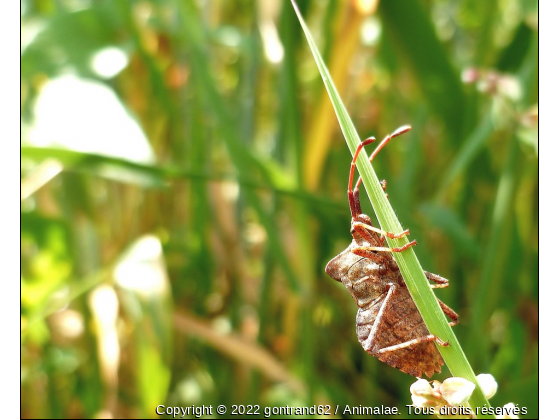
401	322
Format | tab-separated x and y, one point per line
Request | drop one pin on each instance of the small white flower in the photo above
456	391
488	384
423	395
454	394
422	388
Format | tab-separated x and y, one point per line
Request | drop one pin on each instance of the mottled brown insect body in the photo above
369	283
388	324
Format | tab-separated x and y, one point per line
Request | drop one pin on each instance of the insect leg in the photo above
369	234
450	313
356	193
406	344
441	282
358	228
447	311
383	185
397	132
353	196
383	249
378	259
382	232
372	337
355	207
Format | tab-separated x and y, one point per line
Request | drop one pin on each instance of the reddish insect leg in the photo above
383	184
441	282
378	259
382	232
383	249
356	195
355	205
401	130
450	313
358	226
364	230
413	342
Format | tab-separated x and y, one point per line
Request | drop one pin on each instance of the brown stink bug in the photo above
388	324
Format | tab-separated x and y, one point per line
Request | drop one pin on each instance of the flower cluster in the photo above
449	399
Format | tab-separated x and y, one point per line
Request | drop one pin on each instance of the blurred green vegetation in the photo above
183	264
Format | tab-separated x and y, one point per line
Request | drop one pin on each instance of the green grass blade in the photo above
470	148
408	263
491	280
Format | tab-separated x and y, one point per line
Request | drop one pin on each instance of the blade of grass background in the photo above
244	161
488	291
156	76
105	166
71	291
322	127
412	32
238	348
495	263
201	215
157	176
409	265
486	12
454	227
293	150
471	146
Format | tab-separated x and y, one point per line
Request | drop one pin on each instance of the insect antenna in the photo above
355	207
354	196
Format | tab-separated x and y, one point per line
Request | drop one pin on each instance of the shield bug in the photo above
388	324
